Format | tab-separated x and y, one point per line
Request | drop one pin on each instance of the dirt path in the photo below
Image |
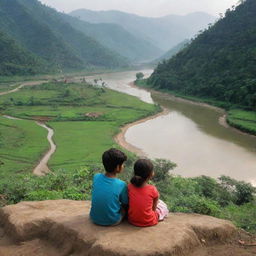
31	83
121	140
42	168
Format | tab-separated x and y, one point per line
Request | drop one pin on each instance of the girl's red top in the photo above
140	205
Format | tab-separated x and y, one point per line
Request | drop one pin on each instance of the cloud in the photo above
153	8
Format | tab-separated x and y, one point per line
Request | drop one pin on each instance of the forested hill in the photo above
116	38
163	32
219	64
41	31
173	51
16	60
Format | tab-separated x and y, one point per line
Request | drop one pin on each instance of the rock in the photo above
64	227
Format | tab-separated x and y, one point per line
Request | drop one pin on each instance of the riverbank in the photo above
120	137
234	124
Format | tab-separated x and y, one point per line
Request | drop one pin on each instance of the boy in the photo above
109	194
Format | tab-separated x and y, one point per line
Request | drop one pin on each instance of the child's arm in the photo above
155	201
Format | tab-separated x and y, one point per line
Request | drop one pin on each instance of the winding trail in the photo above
42	168
30	83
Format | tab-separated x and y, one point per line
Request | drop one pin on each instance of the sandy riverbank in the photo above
121	140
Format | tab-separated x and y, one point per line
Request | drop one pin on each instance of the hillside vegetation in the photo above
173	51
116	38
16	60
219	63
42	31
218	66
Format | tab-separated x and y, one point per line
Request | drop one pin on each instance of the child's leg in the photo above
162	210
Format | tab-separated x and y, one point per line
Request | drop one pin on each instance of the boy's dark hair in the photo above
143	169
112	158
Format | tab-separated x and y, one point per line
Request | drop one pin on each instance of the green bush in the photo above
41	195
196	204
243	216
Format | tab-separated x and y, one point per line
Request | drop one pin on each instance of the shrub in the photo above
41	195
196	204
243	216
162	169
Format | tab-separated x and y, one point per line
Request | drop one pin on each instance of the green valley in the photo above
85	119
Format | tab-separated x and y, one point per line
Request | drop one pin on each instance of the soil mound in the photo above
62	227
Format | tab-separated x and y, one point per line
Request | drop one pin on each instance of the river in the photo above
189	135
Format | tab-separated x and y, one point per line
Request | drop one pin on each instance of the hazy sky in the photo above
153	8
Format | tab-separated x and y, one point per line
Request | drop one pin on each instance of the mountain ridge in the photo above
41	31
164	32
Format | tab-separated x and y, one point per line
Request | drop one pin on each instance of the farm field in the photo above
22	143
84	117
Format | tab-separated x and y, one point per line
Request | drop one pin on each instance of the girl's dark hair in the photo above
143	169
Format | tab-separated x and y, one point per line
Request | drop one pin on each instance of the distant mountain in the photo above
14	60
173	51
42	31
219	64
164	32
117	39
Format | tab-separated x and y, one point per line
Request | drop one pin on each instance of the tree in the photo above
139	76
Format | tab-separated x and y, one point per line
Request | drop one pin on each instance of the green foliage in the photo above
139	76
173	51
219	63
50	43
224	198
41	195
196	204
162	169
240	192
243	120
16	60
75	185
243	216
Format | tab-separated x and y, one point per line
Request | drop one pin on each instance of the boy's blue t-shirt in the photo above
107	196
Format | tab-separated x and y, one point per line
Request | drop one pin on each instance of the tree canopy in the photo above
220	63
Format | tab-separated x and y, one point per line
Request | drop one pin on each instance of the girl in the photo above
145	208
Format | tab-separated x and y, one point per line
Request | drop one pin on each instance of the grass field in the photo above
7	86
243	120
84	119
80	143
22	143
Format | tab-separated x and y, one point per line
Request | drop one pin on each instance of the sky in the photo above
150	8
